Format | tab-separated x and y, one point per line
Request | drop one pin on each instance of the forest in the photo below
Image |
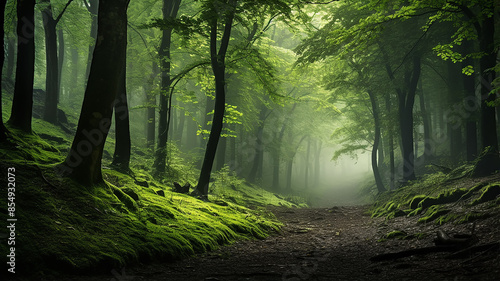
250	140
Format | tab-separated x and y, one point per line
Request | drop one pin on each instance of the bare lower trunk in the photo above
22	104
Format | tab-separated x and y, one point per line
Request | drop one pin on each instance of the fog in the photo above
340	182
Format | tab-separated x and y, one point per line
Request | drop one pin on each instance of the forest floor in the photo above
330	244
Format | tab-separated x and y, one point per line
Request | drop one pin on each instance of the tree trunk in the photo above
83	162
219	70
3	130
277	160
259	149
276	168
170	9
121	157
60	53
306	172
233	165
289	173
376	141
93	9
454	119
427	125
180	128
490	162
22	104
390	136
406	100
317	165
221	153
75	65
52	65
11	55
151	108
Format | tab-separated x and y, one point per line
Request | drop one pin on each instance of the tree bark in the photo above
180	128
454	119
170	9
22	104
390	136
406	101
427	125
93	8
376	142
219	69
83	162
259	149
61	57
11	55
52	65
75	65
490	162
277	160
151	108
306	172
121	156
317	165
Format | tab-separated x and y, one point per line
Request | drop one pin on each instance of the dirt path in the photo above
317	244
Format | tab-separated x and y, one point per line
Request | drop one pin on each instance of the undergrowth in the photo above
65	227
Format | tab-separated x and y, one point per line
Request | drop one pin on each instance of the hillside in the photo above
64	227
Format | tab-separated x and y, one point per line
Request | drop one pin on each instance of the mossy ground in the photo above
442	198
65	227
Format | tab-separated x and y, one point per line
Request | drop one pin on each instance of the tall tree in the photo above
22	104
470	100
170	9
221	12
490	162
83	162
52	63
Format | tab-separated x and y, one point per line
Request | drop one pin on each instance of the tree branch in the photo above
62	12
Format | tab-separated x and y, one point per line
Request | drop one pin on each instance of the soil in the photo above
329	244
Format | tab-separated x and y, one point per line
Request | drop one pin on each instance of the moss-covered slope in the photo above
443	198
64	227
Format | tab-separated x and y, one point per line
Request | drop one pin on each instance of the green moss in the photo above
415	201
420	235
472	216
415	212
396	234
489	193
66	227
448	196
69	228
433	213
